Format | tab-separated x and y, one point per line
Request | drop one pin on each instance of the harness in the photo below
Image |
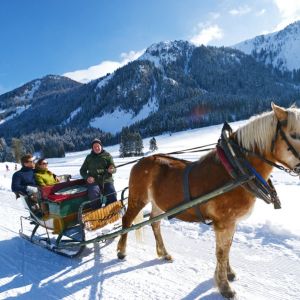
233	159
186	193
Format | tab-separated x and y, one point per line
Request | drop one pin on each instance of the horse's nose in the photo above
297	169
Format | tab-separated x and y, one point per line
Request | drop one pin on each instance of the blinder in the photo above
290	146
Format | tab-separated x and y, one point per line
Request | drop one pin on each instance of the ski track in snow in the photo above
265	253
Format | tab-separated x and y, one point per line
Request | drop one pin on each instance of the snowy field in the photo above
265	253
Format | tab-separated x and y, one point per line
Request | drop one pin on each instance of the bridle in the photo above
293	172
282	134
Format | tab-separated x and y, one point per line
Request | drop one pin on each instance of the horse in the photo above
158	179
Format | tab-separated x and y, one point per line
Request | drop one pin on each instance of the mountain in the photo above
13	103
280	49
171	87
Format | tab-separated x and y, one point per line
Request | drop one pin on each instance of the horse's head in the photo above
286	142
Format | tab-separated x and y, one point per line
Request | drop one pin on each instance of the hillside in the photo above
279	49
198	86
15	102
172	86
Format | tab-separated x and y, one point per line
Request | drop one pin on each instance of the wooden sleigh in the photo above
63	214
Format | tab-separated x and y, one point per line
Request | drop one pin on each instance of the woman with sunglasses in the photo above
42	175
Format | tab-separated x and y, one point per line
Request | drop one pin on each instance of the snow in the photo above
72	115
113	122
19	110
104	81
284	45
29	93
164	53
265	251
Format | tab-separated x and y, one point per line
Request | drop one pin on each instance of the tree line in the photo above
131	144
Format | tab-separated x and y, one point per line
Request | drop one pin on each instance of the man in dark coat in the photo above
97	170
24	177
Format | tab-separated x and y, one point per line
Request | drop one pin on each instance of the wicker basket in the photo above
100	217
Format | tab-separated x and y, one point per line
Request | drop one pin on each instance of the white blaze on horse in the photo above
267	139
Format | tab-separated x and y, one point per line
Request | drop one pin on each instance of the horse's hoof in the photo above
230	294
168	257
231	276
121	255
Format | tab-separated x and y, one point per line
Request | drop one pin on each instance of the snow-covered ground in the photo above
265	252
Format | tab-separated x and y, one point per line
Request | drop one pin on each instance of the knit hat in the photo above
96	141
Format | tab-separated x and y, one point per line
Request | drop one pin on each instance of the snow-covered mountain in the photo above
280	49
15	102
164	53
172	86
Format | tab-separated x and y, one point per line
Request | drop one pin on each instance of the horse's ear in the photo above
280	112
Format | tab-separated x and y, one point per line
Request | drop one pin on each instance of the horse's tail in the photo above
139	233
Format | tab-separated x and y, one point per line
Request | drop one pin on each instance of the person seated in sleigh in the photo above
24	183
97	170
23	179
43	176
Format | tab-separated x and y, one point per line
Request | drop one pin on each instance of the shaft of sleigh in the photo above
174	211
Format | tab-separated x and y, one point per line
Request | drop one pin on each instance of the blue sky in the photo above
85	39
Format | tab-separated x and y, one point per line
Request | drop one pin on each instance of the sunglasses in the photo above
30	161
44	163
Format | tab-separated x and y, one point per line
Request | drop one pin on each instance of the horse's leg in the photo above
131	213
230	273
160	247
223	242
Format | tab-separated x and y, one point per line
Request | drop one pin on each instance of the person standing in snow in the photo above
97	170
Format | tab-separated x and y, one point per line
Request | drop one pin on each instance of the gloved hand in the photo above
31	190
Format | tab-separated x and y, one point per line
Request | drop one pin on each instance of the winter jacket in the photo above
45	177
21	179
96	165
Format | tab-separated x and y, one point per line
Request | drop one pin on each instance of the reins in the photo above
291	172
184	151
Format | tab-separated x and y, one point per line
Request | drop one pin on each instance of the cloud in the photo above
214	15
289	11
207	34
242	10
261	12
103	68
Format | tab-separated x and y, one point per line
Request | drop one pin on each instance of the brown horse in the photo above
159	179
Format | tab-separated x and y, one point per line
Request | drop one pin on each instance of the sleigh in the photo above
63	214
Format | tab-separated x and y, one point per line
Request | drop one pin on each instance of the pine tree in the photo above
131	143
153	145
3	148
125	142
138	144
17	149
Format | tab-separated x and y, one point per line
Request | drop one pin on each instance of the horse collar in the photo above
232	157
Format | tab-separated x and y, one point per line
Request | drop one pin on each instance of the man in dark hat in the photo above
97	170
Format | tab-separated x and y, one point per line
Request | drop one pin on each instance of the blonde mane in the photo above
260	130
